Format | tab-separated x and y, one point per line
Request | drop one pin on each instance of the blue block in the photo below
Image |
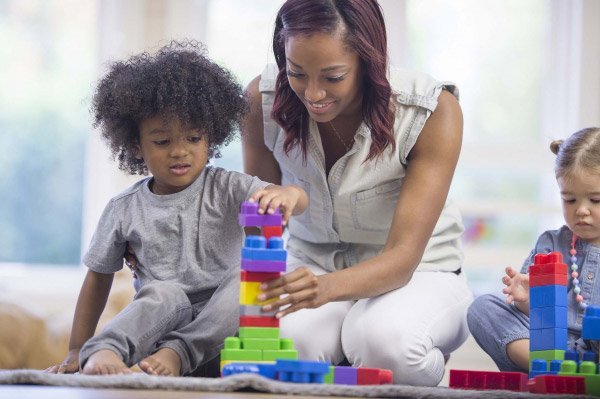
257	248
266	370
551	317
301	371
547	296
591	323
547	339
539	367
255	242
264	254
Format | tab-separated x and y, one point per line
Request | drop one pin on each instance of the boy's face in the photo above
175	156
580	194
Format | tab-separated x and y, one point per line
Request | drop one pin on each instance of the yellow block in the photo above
249	291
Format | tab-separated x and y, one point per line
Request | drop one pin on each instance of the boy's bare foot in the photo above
105	362
163	362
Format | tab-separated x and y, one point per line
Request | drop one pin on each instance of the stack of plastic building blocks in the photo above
551	367
548	312
587	367
259	349
263	258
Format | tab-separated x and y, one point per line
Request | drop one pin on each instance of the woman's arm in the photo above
430	169
258	159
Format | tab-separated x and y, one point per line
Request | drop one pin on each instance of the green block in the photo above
547	355
286	344
259	332
232	343
272	355
260	343
328	378
241	354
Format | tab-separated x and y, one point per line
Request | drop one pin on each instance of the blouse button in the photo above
590	276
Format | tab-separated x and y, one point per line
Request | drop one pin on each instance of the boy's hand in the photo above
517	286
68	366
290	199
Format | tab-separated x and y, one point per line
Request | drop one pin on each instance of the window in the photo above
47	67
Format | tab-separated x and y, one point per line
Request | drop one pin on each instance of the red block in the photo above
258	321
258	276
547	279
552	257
557	384
272	231
548	268
488	380
370	376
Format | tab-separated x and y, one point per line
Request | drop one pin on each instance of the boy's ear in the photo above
137	151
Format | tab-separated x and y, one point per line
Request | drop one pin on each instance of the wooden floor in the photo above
46	392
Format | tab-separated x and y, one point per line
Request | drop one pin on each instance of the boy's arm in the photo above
293	199
90	305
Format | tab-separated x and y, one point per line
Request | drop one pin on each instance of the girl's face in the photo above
175	156
325	75
580	194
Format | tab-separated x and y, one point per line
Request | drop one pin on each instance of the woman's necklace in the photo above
339	136
575	275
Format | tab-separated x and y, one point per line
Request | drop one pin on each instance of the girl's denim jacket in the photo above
588	262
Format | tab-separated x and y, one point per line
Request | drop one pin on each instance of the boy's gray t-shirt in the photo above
191	237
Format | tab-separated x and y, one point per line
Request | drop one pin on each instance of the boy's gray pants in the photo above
161	315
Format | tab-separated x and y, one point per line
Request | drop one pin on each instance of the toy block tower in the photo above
548	311
263	258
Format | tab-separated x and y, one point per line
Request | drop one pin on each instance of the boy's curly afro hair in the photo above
178	81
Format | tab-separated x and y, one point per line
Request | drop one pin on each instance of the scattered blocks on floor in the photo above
488	380
300	371
557	384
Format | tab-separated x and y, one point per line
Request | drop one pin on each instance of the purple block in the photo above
263	265
249	208
345	375
260	220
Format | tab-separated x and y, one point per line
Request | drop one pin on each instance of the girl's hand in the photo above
68	366
302	289
290	199
517	286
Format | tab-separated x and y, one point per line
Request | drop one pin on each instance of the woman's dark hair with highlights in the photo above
179	81
362	27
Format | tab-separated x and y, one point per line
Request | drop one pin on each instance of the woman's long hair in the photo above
364	32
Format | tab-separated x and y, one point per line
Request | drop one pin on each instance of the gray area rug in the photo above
248	382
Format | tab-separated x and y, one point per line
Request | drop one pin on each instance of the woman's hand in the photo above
301	289
290	199
68	366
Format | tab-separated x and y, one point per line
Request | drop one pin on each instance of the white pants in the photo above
409	330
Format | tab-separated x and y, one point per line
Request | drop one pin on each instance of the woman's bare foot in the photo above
163	362
105	362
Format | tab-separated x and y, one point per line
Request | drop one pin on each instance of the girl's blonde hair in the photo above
580	151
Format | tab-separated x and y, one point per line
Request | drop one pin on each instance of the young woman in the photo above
376	259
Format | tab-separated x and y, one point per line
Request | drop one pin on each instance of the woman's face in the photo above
325	75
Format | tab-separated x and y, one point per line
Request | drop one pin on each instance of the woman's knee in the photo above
316	332
409	354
